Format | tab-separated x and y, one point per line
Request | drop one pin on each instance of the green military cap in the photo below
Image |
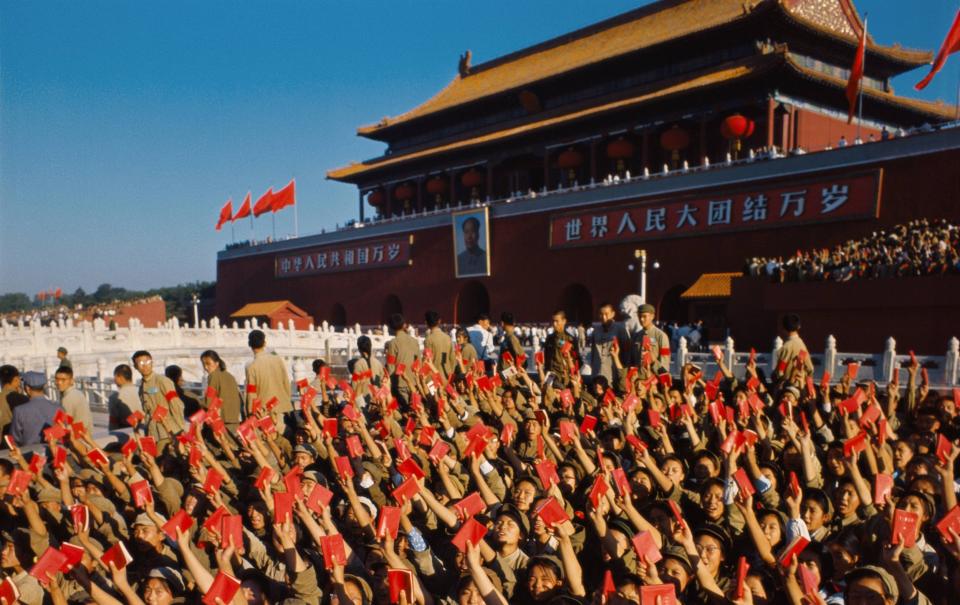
648	308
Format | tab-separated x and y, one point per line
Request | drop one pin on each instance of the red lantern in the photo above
620	150
571	159
734	128
673	140
375	198
437	186
471	178
403	192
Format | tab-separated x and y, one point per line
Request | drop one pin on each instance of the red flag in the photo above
856	74
225	214
951	44
244	208
286	196
264	204
58	293
41	295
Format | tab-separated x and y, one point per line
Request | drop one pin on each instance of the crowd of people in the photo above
920	247
430	474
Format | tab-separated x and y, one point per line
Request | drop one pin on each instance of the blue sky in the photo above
124	126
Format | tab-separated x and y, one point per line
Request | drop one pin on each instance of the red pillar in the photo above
770	119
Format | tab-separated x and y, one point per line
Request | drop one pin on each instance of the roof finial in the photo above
464	66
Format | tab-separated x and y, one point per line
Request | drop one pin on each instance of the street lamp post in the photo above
641	256
196	314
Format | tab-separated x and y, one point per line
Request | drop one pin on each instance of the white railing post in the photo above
729	353
777	345
681	354
951	361
830	356
889	360
102	369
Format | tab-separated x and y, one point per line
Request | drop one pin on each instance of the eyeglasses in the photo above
707	549
145	362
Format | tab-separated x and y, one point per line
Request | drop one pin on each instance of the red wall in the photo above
149	313
528	277
815	131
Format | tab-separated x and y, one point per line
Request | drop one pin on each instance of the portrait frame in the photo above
464	265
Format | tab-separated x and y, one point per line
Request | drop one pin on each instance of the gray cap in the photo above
172	577
144	519
889	584
647	309
34	380
305	448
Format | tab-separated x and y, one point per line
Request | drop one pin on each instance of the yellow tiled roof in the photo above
259	309
711	285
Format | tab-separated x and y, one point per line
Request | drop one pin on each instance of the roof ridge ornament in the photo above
464	66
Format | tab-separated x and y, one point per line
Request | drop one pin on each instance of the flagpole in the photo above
863	74
296	220
273	215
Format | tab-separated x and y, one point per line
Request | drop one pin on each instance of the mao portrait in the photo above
471	243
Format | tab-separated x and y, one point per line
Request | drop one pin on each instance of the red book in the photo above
231	528
149	446
905	526
951	520
282	506
51	561
793	549
654	417
744	483
319	499
11	444
159	413
406	491
135	418
118	555
55	432
646	547
622	482
438	451
141	493
265	476
344	468
598	490
882	487
129	447
334	552
426	435
180	520
471	532
742	568
852	369
808	582
870	415
9	591
568	432
291	482
944	448
74	555
855	445
388	523
475	446
410	468
213	481
195	456
538	358
794	485
589	422
19	480
658	594
330	427
677	513
224	587
470	506
400	582
266	425
214	522
354	446
59	458
636	443
552	513
506	435
80	515
97	457
401	446
547	472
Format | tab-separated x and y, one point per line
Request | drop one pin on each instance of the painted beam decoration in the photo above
763	206
353	256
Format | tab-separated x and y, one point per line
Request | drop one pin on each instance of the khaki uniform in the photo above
788	352
123	402
269	374
441	346
469	354
553	358
227	390
405	350
659	349
6	410
511	344
75	403
153	390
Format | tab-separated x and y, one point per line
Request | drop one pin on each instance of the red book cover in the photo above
55	432
213	481
354	446
330	427
472	532
266	425
74	555
538	358
951	520
97	457
552	513
547	472
742	568
808	581
388	523
224	587
646	547
214	521
658	594
51	561
159	413
589	422
400	582
904	527
475	446
855	445
59	458
882	487
291	482
141	493
438	451
848	406
129	447
506	434
568	432
135	418
944	448
334	552
636	443
149	446
61	417
80	515
231	527
793	549
9	591
319	499
409	467
677	513
794	484
406	491
179	520
19	480
195	456
401	446
852	369
622	482
426	435
118	555
282	506
470	506
870	415
272	403
598	490
265	476
11	444
344	468
744	483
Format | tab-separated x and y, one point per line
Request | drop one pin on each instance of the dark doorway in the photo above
472	300
672	307
338	316
391	305
577	303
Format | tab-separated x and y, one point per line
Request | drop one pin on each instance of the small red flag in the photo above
226	213
856	74
286	196
244	209
58	293
264	204
951	44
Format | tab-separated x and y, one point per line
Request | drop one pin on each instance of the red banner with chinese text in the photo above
353	256
765	206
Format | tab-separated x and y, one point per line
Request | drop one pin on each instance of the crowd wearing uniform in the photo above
444	474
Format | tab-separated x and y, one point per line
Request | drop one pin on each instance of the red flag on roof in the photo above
856	74
244	208
286	196
951	44
226	213
58	293
264	204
